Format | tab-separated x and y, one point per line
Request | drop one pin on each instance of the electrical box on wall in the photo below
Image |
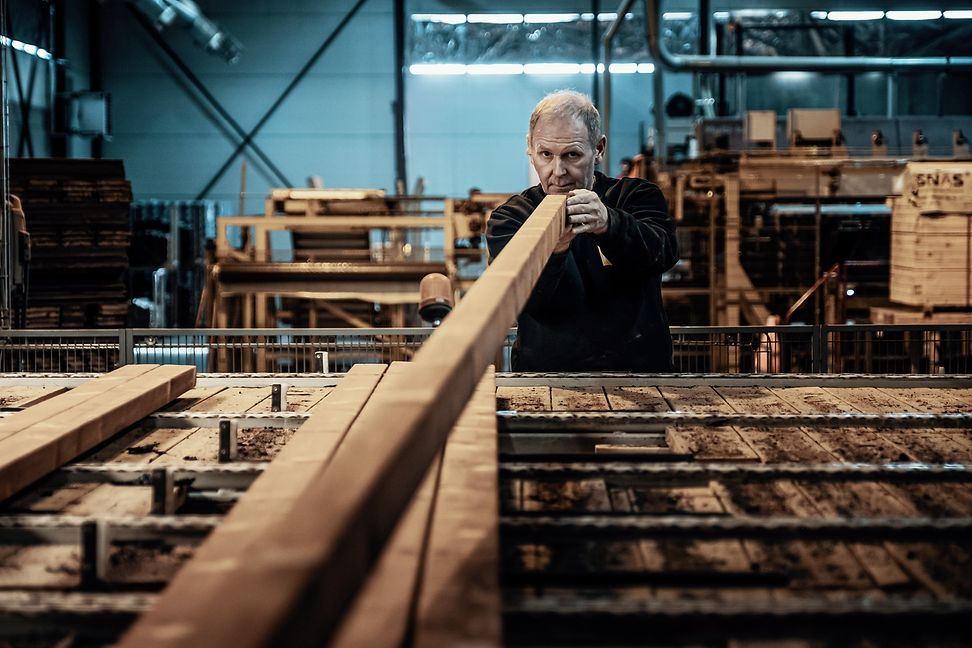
86	114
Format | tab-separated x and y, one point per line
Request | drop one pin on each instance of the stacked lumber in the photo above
77	216
931	236
36	441
333	245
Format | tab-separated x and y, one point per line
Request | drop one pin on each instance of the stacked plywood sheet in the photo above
77	216
931	236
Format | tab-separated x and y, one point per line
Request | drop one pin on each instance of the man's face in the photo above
562	154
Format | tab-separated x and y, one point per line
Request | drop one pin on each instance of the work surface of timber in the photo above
599	581
556	588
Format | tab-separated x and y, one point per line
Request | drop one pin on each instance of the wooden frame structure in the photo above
311	562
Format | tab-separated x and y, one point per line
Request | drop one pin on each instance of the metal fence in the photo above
870	348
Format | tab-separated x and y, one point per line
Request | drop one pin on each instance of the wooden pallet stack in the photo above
77	216
931	237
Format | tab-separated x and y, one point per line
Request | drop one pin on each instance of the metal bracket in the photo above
94	553
278	397
228	449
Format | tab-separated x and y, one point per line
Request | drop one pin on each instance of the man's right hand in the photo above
564	243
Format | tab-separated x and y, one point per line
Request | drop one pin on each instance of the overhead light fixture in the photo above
623	68
495	19
437	69
448	19
513	69
535	18
819	15
26	48
793	75
486	69
855	15
721	15
677	15
958	14
552	68
913	15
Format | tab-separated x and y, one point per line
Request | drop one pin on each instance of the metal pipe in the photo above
607	42
658	91
401	175
702	63
206	94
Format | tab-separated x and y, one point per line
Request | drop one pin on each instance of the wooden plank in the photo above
640	399
381	613
711	444
309	566
88	391
460	601
523	399
46	445
578	399
28	396
265	503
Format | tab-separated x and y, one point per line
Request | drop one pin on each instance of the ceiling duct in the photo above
705	63
166	13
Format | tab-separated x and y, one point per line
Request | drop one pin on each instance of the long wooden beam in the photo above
459	601
45	437
196	588
441	563
294	589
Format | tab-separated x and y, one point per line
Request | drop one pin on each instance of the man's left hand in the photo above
586	214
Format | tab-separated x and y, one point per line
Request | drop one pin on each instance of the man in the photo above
597	305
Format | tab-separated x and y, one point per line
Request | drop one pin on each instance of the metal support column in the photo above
401	175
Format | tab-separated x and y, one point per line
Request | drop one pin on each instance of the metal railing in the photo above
857	348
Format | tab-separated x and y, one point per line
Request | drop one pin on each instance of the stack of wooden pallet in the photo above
931	236
77	216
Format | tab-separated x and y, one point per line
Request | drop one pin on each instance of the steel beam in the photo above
703	472
529	528
562	421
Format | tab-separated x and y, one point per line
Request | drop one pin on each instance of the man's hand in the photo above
586	214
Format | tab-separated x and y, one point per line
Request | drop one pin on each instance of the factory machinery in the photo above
437	502
817	219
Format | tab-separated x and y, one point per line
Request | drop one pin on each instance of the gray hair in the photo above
570	104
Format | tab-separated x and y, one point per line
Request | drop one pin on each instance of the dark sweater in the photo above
584	315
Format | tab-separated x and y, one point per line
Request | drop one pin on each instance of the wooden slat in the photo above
523	399
45	445
383	610
460	596
707	444
642	399
310	563
83	393
578	399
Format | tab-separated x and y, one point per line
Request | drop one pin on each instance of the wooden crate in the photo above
931	236
911	315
